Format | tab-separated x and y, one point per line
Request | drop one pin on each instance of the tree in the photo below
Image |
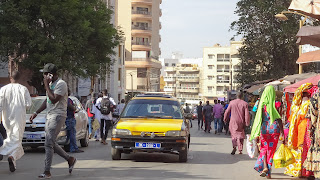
76	35
270	50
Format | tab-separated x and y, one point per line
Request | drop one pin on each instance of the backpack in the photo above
105	106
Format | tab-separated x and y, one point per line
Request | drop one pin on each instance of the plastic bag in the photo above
283	157
252	147
95	125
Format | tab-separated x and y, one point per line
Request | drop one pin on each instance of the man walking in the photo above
14	99
217	113
120	107
56	105
105	106
207	113
71	126
240	118
200	115
187	110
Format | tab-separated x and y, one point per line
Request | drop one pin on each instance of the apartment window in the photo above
210	66
141	72
209	77
223	57
142	9
210	89
210	56
166	64
173	64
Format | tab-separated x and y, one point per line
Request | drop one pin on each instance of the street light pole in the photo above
131	85
300	48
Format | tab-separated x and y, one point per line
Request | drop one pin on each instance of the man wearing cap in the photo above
56	105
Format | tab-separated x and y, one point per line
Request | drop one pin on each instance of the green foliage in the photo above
270	50
76	35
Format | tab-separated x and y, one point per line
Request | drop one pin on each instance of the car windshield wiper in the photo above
133	117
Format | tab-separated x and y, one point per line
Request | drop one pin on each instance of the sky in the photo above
190	25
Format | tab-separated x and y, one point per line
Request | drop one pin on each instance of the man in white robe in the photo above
14	99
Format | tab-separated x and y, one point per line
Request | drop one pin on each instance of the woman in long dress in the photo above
268	126
297	129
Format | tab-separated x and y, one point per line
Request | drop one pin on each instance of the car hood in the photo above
137	125
40	119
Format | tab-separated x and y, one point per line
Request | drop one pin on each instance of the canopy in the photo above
308	7
298	77
292	88
309	35
308	57
255	88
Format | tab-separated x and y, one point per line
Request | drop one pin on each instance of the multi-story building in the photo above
220	65
140	24
182	81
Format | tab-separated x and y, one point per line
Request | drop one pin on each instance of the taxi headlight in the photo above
176	133
123	132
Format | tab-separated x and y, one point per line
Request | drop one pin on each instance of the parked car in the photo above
34	135
152	123
194	114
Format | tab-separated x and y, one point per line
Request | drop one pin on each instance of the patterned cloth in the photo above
269	140
306	146
312	163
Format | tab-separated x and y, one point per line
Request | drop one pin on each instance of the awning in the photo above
298	77
308	7
309	35
292	88
254	88
313	56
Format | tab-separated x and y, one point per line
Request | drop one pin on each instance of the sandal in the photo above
264	172
234	151
44	176
12	166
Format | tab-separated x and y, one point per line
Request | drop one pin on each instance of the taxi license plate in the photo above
33	136
148	145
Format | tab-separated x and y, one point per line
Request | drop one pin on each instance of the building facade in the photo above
139	20
220	67
182	81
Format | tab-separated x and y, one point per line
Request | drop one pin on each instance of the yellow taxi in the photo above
152	123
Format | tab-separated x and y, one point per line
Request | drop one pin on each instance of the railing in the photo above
223	59
141	12
141	59
220	92
223	81
223	70
141	43
141	28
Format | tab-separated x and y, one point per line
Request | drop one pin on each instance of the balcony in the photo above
143	63
142	15
169	89
141	46
223	59
223	70
170	69
188	79
223	81
188	89
170	79
141	30
221	92
145	2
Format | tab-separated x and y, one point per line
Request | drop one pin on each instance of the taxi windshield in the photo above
151	108
36	103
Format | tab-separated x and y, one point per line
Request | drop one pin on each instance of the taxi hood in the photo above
149	124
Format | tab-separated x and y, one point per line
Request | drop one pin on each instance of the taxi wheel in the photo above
183	154
115	153
85	141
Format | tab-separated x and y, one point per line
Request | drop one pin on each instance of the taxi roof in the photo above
155	98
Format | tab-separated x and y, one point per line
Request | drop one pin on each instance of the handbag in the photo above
3	131
283	157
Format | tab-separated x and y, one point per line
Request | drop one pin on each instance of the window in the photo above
210	56
173	64
210	66
141	72
166	64
210	89
141	87
209	77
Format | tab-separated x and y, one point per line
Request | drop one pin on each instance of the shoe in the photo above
97	139
90	136
72	161
1	157
215	132
264	172
240	152
233	151
12	166
77	151
45	175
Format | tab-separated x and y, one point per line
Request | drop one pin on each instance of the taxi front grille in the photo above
30	129
147	134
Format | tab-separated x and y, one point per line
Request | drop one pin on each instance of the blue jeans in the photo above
218	124
1	140
90	119
71	133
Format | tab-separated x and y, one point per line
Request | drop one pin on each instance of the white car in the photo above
34	135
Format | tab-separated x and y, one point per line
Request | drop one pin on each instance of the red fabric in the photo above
288	105
313	90
306	146
89	114
292	88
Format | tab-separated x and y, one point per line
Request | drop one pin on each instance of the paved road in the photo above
209	158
